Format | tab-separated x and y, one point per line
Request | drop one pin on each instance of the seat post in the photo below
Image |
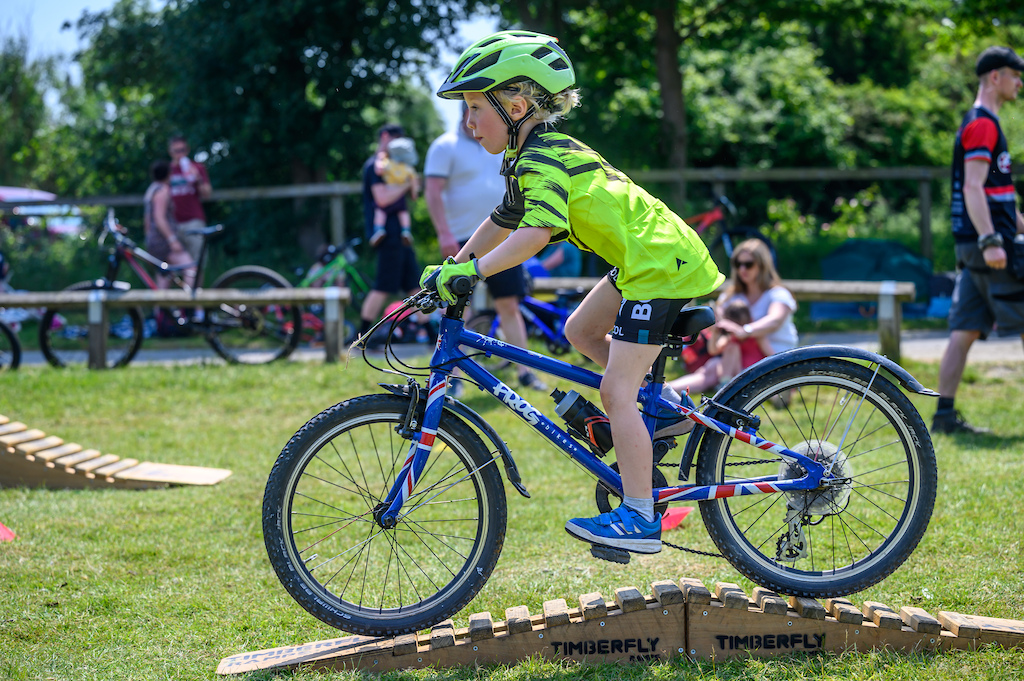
658	369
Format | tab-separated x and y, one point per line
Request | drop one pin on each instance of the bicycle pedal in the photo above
610	554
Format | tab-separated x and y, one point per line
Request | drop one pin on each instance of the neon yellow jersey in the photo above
561	184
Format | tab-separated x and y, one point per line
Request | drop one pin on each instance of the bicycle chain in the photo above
698	552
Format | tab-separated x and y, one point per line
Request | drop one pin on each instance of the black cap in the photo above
996	58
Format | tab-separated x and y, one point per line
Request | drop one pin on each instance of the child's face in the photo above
485	124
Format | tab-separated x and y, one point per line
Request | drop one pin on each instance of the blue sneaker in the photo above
622	528
670	423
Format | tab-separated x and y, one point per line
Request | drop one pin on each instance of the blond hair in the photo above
549	108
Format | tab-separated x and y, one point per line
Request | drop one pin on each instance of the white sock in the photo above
669	393
645	507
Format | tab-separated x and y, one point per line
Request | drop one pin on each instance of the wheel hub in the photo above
832	496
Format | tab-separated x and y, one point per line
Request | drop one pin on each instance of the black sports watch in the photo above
995	239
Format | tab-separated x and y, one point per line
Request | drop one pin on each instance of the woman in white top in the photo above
753	280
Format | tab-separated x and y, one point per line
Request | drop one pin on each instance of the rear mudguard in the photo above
466	414
793	356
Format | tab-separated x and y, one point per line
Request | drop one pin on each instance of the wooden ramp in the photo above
677	618
29	457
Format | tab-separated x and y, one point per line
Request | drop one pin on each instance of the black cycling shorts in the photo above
646	322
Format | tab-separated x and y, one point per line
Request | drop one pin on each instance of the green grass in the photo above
162	584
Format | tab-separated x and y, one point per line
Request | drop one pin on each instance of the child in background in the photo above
752	349
396	165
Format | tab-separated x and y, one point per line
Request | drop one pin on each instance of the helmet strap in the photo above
513	127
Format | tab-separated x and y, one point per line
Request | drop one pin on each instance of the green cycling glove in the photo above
450	270
430	269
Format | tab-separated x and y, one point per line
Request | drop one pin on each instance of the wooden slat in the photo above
592	606
920	620
69	462
667	592
3	419
30	448
807	608
629	599
13	439
731	595
442	635
481	626
405	645
112	469
770	602
88	467
694	591
844	611
960	625
48	456
882	615
517	619
12	427
556	613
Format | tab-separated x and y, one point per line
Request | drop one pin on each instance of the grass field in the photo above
163	584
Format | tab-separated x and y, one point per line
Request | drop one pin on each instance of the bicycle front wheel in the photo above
64	334
849	533
323	539
10	348
253	334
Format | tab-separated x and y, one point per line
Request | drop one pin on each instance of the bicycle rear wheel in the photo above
847	535
10	348
334	558
253	334
64	334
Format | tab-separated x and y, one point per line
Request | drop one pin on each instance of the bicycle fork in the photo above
387	512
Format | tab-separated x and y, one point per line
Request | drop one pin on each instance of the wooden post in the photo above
890	317
924	193
337	219
332	323
98	322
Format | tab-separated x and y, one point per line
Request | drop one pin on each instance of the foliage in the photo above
23	111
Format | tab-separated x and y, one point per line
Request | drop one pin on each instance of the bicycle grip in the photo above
460	286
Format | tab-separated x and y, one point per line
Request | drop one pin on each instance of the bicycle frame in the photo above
448	355
342	263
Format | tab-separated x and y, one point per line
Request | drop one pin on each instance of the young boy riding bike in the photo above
517	84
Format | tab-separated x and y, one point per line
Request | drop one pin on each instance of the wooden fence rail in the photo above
888	293
99	301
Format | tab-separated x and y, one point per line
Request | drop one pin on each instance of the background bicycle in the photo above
407	481
247	334
10	347
335	267
726	235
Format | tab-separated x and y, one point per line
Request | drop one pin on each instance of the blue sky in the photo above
42	19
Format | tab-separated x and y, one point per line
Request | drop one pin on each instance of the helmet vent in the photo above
559	65
489	60
541	52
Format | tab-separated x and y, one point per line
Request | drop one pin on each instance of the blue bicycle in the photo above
386	514
544	320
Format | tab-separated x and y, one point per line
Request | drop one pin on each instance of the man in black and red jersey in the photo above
985	217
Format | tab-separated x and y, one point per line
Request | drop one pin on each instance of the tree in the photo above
23	113
268	93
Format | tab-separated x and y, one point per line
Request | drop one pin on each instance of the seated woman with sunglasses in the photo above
754	282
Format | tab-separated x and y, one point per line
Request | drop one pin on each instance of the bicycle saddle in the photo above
691	321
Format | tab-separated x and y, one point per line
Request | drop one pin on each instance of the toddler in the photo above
397	166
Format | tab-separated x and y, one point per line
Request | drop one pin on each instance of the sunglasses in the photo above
744	264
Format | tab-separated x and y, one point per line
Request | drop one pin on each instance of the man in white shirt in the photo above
463	185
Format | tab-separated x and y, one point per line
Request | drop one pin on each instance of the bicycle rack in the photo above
30	457
678	618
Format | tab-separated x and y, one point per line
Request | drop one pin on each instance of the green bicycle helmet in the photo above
509	57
